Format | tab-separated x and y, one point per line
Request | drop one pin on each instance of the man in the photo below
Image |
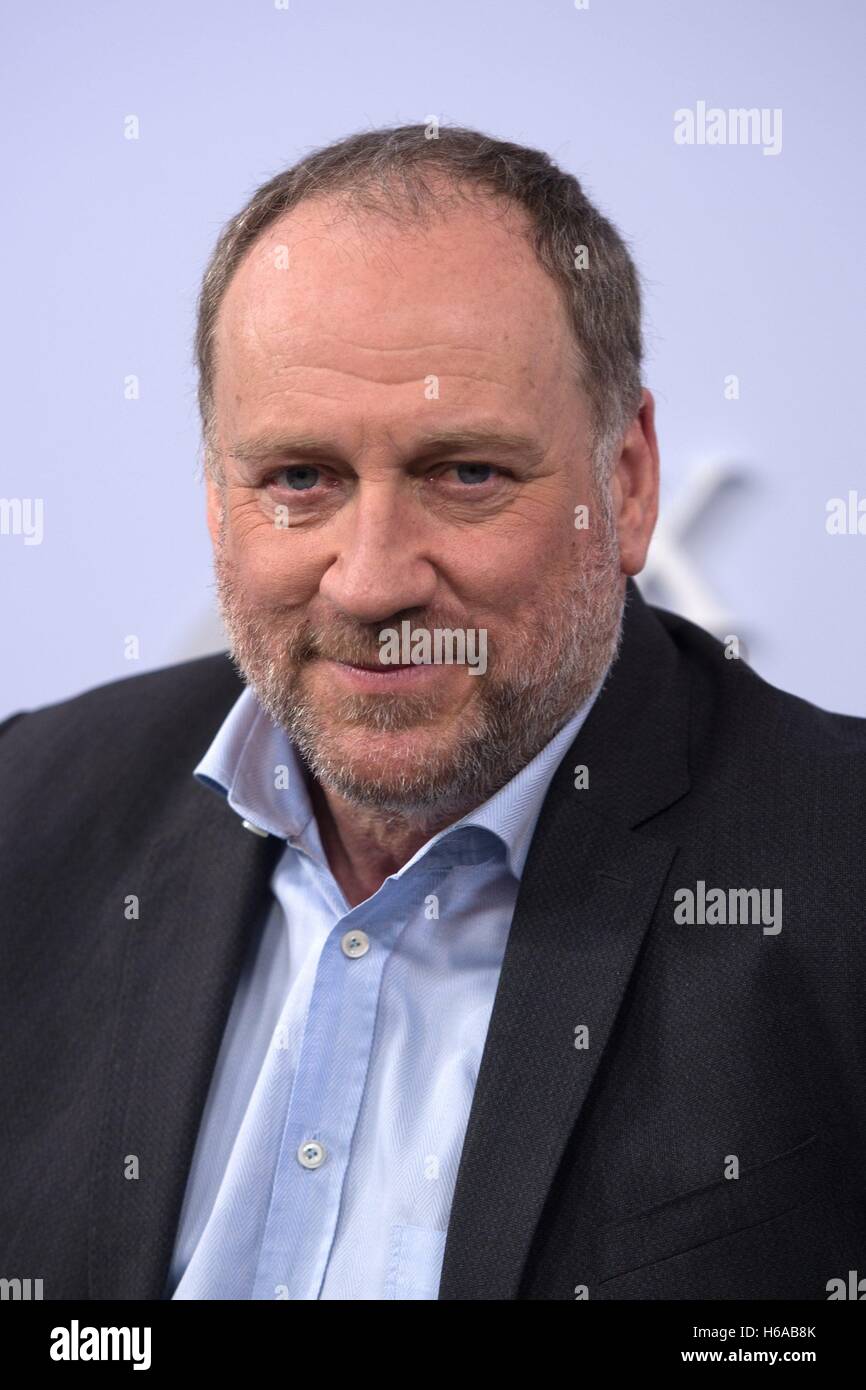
478	932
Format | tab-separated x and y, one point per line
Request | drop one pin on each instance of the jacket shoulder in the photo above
734	694
154	721
202	680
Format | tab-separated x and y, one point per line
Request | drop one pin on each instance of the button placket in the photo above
327	1093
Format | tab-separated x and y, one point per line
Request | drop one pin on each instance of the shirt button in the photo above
311	1154
355	943
256	829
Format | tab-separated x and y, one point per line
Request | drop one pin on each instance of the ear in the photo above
215	507
636	487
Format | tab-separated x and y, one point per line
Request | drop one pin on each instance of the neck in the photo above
363	846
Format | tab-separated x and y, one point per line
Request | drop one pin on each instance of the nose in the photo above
379	565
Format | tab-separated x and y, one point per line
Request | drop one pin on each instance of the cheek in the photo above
511	572
272	566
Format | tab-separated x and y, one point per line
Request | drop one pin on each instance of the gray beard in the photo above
553	664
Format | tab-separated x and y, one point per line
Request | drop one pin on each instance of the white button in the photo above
256	829
355	943
311	1153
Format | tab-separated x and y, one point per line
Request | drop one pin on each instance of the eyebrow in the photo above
440	441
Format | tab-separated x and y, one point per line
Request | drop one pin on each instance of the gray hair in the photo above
382	171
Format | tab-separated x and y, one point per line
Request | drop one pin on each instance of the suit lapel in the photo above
587	896
203	888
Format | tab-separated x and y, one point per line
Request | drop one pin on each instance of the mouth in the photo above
376	666
379	677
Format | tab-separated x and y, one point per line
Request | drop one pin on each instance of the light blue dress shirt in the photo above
327	1155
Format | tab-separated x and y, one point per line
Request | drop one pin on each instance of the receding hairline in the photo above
350	205
404	173
401	214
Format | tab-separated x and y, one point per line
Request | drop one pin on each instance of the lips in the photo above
379	667
388	679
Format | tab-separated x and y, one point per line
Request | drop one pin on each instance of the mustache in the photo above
303	637
358	644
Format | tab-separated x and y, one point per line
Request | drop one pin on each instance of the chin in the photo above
378	755
403	768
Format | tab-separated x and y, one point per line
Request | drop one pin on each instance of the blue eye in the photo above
301	477
469	472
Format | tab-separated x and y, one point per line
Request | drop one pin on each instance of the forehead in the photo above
354	294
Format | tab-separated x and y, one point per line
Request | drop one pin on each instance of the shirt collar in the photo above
253	763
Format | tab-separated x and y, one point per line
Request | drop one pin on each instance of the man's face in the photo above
355	363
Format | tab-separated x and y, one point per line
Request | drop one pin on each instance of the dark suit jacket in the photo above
599	1167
